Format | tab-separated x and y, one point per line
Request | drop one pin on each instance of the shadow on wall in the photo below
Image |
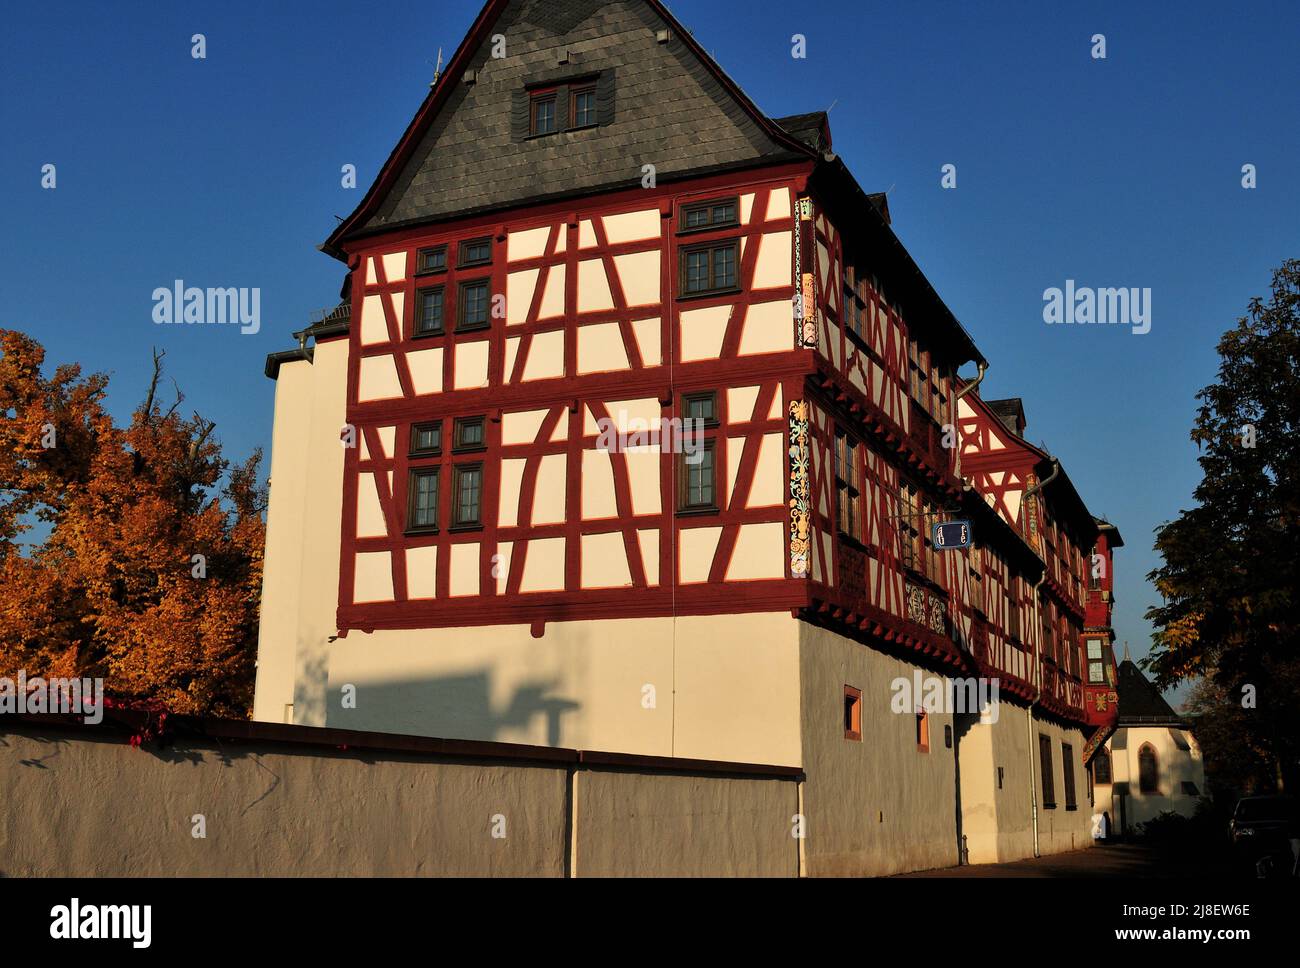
454	707
309	698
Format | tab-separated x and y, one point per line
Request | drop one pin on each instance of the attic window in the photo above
550	105
542	112
582	106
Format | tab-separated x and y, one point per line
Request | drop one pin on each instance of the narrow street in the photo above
1111	860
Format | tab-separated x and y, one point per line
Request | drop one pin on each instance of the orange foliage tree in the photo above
149	573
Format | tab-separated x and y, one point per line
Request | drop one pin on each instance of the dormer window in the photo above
542	105
553	105
582	106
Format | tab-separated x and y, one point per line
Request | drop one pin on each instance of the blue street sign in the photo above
951	535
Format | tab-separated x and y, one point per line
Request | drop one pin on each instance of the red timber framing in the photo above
1054	523
572	403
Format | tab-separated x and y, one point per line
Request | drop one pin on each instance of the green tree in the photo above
1228	581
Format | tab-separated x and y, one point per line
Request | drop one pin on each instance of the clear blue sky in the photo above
1117	172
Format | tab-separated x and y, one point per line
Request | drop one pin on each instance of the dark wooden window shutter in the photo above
605	96
519	116
562	108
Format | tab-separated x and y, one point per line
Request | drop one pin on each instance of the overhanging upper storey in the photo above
546	100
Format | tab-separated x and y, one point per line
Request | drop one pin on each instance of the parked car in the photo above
1266	830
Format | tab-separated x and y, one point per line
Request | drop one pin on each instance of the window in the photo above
852	713
848	486
1189	789
541	112
432	260
1148	770
922	732
473	312
422	500
856	299
709	268
975	566
428	322
474	252
697	488
468	434
701	406
426	439
1013	610
467	501
947	736
1101	766
999	778
717	213
1096	664
1045	767
582	106
915	548
909	538
1067	765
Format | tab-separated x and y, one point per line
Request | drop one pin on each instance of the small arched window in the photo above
1148	770
1101	766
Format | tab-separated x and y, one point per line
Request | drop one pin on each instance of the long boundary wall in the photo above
230	798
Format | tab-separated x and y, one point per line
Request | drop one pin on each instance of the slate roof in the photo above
465	152
1140	703
811	128
1011	412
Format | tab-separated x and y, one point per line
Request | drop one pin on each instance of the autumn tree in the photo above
146	563
1229	575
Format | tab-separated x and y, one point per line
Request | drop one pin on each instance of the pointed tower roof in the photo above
1140	702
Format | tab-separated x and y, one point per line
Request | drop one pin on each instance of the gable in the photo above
664	104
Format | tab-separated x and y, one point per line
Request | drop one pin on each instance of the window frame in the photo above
1046	778
848	489
458	471
423	270
416	331
709	204
1099	662
697	396
1103	756
412	491
416	428
462	259
922	731
462	304
538	97
575	92
713	289
1067	774
853	714
684	507
1154	789
458	445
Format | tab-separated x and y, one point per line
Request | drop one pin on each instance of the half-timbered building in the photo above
629	435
